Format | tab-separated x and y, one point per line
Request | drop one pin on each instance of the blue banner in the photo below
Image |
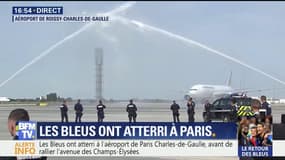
255	151
37	10
139	130
26	130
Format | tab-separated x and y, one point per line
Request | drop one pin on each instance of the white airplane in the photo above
4	99
201	93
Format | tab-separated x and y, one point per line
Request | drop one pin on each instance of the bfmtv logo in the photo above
26	130
27	125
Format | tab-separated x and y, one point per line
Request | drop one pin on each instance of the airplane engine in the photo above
186	97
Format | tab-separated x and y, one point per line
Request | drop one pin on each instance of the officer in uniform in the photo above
191	110
175	111
265	105
233	113
132	111
78	111
63	111
100	111
208	112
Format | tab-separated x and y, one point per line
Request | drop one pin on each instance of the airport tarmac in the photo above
147	112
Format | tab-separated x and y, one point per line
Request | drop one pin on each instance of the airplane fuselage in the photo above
203	92
4	99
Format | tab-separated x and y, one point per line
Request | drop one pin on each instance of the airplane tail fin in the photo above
229	81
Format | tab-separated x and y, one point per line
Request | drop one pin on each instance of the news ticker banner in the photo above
50	14
117	148
154	139
141	148
122	139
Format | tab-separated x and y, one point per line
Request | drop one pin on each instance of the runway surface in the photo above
147	112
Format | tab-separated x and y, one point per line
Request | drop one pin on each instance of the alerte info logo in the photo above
26	130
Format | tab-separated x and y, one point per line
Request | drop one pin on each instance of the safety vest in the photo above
245	111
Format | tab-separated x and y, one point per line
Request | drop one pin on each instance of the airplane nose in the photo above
194	94
191	93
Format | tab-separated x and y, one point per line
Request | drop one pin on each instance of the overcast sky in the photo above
141	63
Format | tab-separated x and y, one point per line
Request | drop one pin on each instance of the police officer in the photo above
78	111
132	111
175	111
100	111
233	108
207	107
265	105
191	110
63	111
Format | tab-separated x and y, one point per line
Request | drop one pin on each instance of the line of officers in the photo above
78	107
131	109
